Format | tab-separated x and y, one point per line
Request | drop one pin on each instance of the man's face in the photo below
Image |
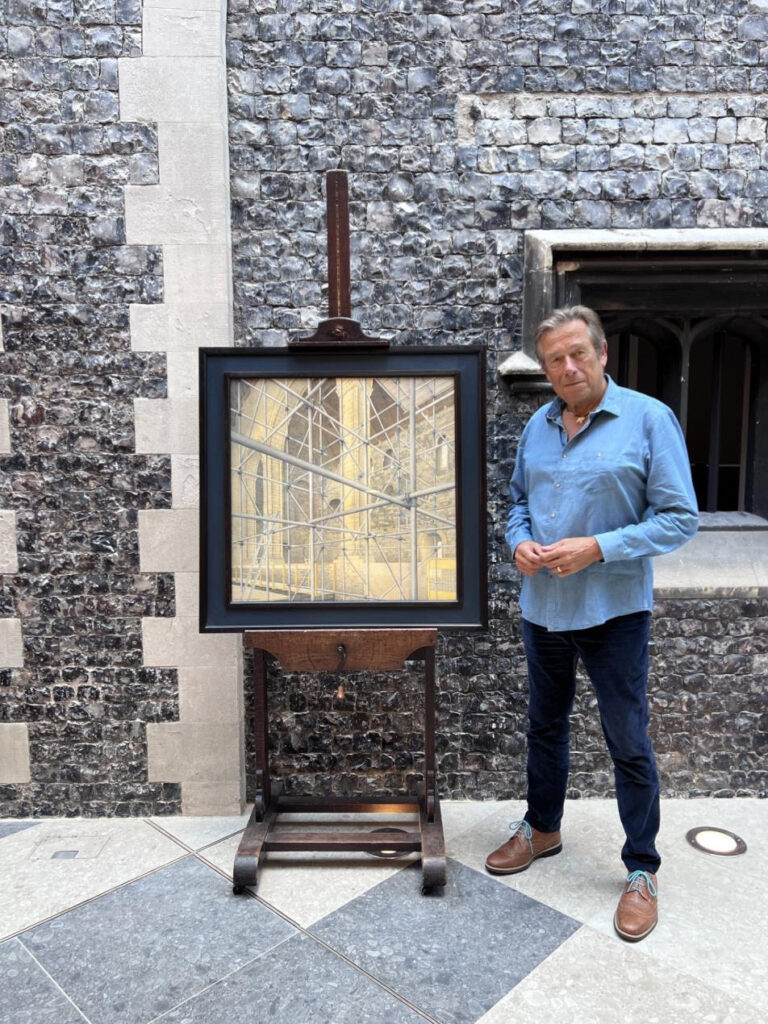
572	366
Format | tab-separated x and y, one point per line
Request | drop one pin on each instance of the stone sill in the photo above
719	562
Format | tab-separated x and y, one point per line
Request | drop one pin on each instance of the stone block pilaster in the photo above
180	84
14	736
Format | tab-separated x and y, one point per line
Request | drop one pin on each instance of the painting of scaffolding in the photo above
343	489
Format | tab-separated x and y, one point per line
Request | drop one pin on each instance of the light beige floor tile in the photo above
584	881
712	915
591	979
460	816
747	818
578	881
199	832
36	883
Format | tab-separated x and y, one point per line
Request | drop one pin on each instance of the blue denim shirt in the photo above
625	480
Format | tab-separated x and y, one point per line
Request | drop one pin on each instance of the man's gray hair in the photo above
565	315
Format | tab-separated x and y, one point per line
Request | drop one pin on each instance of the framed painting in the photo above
342	488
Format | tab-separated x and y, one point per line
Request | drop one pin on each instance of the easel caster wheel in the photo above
238	889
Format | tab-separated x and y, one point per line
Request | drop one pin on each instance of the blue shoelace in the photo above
637	879
524	827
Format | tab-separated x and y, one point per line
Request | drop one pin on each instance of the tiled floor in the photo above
128	922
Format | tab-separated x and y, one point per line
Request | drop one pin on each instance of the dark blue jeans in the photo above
615	656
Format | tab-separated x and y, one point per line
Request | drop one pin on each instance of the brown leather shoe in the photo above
526	845
637	912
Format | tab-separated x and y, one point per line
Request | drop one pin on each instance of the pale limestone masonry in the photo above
180	84
14	753
14	737
9	557
11	649
643	118
5	428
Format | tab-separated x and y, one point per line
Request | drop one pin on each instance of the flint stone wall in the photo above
462	126
69	474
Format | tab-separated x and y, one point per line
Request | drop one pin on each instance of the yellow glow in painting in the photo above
343	489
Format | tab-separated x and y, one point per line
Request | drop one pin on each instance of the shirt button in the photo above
552	515
599	455
565	456
558	485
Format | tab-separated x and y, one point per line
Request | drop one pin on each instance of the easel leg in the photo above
251	849
261	737
432	841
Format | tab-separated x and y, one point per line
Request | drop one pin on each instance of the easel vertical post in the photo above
337	207
429	732
261	734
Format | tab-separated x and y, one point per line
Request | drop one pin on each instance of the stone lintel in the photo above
540	245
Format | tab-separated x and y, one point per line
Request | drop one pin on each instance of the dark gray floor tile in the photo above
299	982
136	952
453	955
27	995
10	828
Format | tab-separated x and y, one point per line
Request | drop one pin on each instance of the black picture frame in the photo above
220	611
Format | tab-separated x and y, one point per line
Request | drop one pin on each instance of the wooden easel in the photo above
342	650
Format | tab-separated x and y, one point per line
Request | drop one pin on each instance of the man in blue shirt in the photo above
601	484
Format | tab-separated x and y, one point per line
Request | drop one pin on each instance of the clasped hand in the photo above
563	558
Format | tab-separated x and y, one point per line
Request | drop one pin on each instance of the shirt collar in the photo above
610	402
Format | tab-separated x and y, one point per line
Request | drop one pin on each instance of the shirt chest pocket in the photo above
597	471
607	472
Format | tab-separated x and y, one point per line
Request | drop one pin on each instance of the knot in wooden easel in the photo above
341	650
